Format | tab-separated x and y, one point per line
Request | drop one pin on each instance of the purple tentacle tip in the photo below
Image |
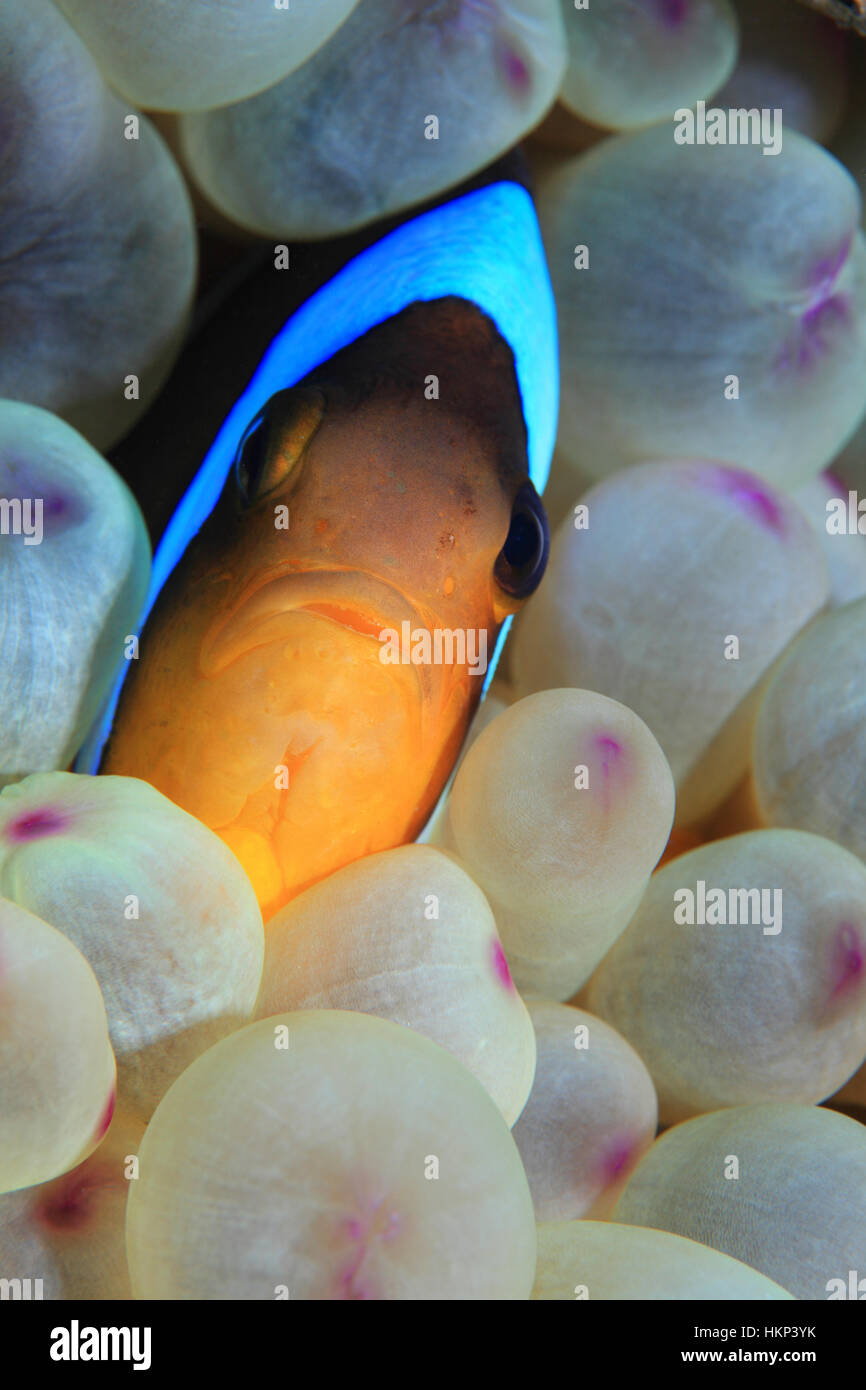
107	1115
818	322
825	311
849	961
752	496
610	750
672	13
69	1205
60	510
617	1159
516	70
34	825
500	965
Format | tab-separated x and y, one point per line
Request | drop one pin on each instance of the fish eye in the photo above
251	457
522	560
272	446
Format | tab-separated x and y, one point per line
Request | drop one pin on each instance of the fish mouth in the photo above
355	600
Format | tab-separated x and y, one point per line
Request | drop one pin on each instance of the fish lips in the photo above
354	600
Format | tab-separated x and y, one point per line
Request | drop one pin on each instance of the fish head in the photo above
286	693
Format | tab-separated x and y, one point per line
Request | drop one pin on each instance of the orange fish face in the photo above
308	674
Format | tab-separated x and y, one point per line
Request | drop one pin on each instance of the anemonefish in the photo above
377	480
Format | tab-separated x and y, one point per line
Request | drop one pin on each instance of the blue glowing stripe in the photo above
497	652
484	247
